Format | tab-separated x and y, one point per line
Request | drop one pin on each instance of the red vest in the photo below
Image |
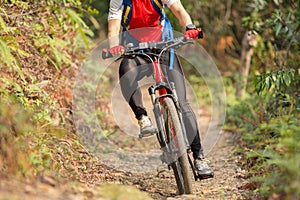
144	23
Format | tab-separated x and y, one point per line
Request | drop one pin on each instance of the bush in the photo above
14	122
270	134
41	42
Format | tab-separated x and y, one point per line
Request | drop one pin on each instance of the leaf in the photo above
80	24
263	81
291	73
56	46
15	48
23	53
287	79
268	81
278	28
258	84
277	84
6	55
75	19
274	77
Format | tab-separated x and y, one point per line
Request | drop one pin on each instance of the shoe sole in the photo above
146	135
205	176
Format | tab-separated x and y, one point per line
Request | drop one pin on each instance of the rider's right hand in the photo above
193	33
116	50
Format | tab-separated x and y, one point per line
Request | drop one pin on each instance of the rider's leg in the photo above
190	121
176	75
130	72
129	75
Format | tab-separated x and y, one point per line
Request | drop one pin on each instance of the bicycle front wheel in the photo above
174	133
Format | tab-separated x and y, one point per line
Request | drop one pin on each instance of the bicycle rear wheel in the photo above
174	134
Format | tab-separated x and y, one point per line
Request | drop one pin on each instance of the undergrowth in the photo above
269	127
41	43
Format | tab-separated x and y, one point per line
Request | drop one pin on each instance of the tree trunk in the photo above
248	44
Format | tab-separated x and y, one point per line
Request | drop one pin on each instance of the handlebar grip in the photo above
106	54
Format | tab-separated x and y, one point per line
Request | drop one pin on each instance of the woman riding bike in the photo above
144	21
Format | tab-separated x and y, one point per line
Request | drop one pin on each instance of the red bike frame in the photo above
159	76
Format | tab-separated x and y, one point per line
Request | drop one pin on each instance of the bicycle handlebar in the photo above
161	45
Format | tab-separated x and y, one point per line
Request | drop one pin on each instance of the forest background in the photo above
42	44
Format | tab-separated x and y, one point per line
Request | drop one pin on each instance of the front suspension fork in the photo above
157	114
180	115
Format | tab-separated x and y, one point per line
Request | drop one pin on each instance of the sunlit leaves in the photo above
5	54
285	23
80	25
274	81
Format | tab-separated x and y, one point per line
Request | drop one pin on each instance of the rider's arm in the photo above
114	26
180	13
114	22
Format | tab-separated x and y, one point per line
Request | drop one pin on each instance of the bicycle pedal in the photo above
205	176
147	135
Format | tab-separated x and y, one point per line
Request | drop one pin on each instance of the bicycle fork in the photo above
161	86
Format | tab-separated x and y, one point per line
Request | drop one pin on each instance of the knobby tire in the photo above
180	165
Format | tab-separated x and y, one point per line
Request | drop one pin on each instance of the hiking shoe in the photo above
146	127
203	170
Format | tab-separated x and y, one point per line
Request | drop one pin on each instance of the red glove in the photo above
193	33
116	50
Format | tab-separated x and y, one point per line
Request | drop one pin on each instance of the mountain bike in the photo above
171	133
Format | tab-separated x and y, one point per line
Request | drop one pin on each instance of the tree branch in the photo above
287	51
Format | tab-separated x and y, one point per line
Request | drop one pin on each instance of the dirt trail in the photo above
226	184
80	178
160	183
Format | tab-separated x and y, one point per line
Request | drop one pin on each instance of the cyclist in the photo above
142	22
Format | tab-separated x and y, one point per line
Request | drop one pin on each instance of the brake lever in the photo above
106	54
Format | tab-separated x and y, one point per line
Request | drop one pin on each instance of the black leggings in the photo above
134	69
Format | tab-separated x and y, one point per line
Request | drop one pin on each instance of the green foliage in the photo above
275	81
269	123
285	22
122	192
6	55
35	36
56	45
280	26
28	116
269	126
279	161
14	122
27	141
44	33
269	144
96	17
80	25
281	89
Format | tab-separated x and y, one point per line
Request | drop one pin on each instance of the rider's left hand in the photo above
194	33
116	50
